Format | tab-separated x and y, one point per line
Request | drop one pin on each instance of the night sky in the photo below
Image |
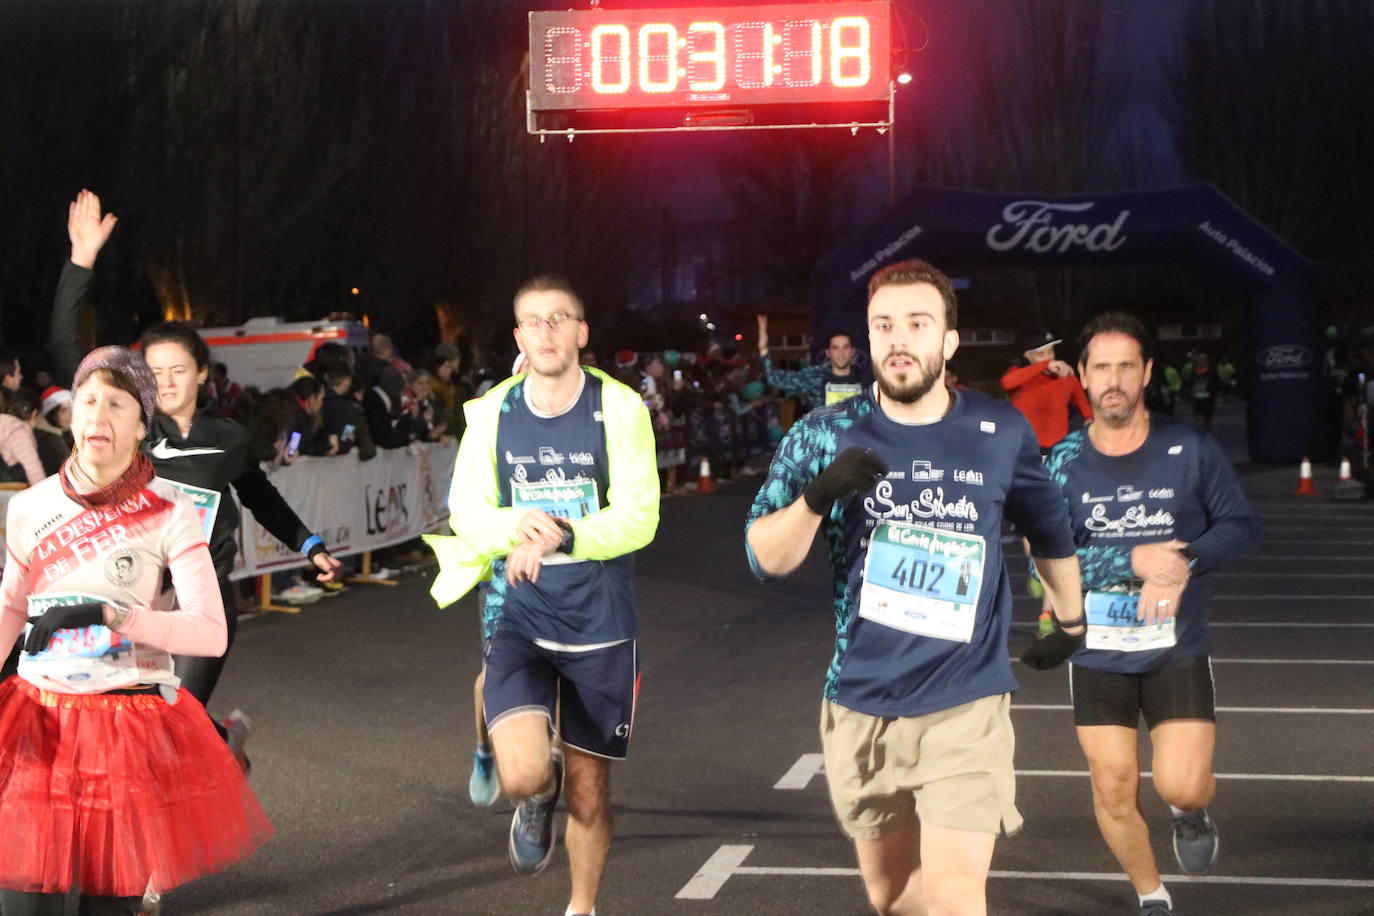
266	157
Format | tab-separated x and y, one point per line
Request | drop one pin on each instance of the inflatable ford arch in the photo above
1195	227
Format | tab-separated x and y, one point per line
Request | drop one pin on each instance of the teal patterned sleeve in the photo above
1103	566
1098	566
804	451
804	382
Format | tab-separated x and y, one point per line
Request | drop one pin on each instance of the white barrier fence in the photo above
356	506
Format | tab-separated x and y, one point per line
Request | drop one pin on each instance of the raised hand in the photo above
87	229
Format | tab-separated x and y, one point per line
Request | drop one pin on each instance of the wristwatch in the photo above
565	546
120	616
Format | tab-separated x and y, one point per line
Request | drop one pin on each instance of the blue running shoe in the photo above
1156	908
1195	842
532	832
482	785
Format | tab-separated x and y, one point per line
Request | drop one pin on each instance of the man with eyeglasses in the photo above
555	488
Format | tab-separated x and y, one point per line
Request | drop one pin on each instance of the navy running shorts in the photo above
594	692
1181	689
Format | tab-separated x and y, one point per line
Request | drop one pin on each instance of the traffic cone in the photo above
704	482
1305	487
1346	486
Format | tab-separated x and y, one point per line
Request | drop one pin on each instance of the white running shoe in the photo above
299	594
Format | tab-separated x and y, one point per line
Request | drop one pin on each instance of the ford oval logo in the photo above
1285	356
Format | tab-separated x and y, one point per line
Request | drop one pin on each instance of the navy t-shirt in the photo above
1176	486
559	464
936	521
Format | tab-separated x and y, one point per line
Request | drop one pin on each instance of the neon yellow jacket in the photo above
484	530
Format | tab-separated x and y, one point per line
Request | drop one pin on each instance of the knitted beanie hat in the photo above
127	365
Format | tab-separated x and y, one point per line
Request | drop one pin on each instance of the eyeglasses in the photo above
556	322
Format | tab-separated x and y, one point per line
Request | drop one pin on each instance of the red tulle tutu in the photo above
105	792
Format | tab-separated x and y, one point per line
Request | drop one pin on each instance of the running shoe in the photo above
1195	842
1156	908
1037	591
299	594
482	787
238	728
532	831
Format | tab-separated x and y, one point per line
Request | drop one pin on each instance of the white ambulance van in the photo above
266	352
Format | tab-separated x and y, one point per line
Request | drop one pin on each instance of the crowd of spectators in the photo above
340	402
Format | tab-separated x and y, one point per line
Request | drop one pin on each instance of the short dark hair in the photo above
7	364
336	374
177	332
1117	322
23	403
838	333
550	283
907	273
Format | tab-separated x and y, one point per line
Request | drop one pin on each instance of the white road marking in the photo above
809	766
1304	710
727	862
1274	661
1240	777
799	776
712	876
1254	624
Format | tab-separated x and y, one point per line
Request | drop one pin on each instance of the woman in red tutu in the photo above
111	775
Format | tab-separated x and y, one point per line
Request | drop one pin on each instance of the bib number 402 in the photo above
920	575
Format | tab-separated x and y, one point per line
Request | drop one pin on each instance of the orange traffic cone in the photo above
1305	487
704	482
1344	474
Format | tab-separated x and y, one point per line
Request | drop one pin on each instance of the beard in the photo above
552	366
910	385
1118	412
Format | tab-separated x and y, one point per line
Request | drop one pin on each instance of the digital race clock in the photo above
711	66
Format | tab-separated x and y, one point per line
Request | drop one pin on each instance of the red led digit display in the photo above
714	56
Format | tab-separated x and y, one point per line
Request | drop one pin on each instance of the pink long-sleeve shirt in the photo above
61	552
18	446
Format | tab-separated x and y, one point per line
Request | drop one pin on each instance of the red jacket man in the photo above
1043	390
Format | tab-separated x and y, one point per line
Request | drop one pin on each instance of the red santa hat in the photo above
54	396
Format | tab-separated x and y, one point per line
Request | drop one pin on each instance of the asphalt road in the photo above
361	753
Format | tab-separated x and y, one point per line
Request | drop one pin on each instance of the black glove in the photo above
62	617
853	470
1053	650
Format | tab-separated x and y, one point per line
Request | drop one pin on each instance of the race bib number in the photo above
82	642
923	580
559	498
835	392
207	504
1112	623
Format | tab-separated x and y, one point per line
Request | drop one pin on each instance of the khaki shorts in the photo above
952	768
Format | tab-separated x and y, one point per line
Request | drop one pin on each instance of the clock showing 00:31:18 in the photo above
793	54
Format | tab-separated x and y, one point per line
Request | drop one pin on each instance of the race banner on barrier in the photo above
354	505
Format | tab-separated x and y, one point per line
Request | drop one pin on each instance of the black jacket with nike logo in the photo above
214	456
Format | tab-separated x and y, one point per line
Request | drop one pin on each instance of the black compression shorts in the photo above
1181	689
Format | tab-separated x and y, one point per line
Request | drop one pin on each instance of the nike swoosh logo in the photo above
163	451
